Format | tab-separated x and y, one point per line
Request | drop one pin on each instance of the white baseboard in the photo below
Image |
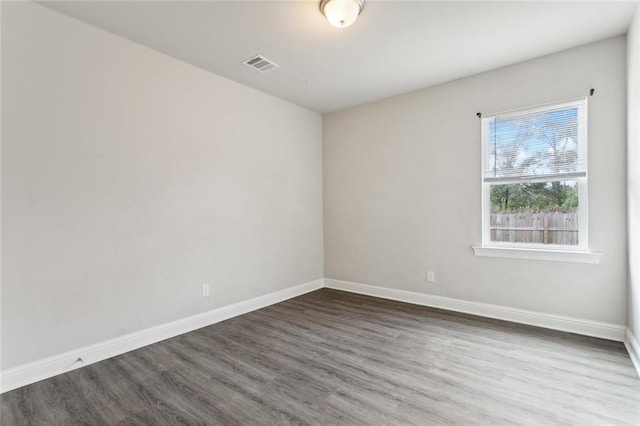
42	369
633	348
540	319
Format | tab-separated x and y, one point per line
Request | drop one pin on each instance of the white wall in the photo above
130	178
633	168
402	188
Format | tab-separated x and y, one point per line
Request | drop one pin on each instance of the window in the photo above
534	178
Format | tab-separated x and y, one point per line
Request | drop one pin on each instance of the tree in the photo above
534	197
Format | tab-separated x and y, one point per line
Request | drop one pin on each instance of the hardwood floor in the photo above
331	357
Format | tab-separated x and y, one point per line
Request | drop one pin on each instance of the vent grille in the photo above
260	63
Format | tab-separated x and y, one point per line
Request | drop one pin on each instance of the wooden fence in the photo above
543	228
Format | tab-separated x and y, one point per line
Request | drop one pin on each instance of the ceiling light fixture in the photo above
341	13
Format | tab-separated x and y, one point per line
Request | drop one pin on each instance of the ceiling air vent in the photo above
260	63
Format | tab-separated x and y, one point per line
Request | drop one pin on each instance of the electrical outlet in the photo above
431	276
205	289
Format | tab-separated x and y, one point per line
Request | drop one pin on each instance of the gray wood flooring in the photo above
331	357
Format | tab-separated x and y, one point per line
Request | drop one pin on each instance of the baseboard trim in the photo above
43	369
32	372
540	319
631	343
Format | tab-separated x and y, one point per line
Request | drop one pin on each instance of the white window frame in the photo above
555	252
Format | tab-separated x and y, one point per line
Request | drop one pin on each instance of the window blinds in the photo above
547	143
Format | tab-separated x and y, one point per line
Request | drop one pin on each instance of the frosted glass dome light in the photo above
341	13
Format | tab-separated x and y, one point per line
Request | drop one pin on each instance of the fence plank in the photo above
542	228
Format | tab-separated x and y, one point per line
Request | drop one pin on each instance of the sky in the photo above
533	144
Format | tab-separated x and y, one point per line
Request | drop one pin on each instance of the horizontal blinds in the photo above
542	144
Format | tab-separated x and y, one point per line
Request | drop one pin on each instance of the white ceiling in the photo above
394	46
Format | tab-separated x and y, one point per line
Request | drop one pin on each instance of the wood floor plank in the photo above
331	357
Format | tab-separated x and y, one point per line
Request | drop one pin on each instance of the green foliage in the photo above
536	197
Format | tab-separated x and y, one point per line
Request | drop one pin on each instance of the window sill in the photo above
538	254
